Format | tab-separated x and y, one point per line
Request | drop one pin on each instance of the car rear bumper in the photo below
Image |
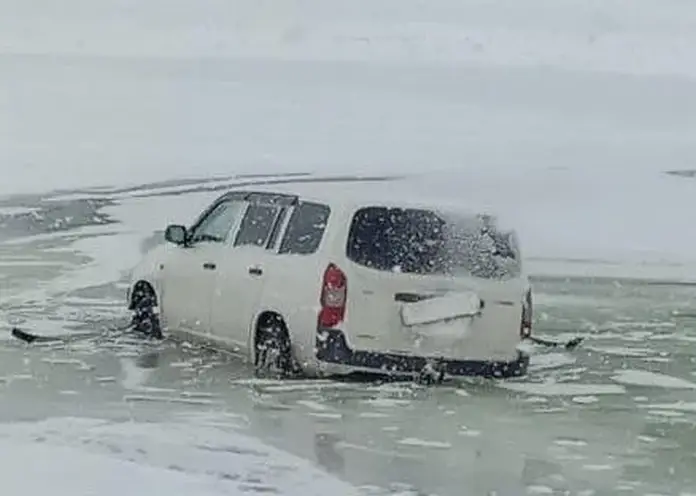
332	348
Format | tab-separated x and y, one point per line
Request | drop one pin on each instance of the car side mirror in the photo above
175	234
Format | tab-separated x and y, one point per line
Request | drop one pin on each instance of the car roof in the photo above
355	192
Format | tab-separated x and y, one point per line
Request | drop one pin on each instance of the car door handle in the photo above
255	271
209	266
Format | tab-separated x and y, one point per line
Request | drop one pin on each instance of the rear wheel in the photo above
527	309
145	319
272	348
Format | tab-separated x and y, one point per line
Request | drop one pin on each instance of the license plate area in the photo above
441	308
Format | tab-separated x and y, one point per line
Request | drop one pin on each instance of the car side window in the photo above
305	229
257	225
219	223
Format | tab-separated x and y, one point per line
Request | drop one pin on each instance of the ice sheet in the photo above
75	457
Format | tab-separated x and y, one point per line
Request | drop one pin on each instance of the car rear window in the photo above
305	229
425	242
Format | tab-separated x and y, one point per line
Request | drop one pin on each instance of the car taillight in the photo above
333	297
527	307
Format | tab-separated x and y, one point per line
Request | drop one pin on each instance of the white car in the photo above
322	284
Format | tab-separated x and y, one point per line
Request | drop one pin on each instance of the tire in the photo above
145	319
527	313
272	349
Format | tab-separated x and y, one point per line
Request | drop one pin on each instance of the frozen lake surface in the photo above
613	416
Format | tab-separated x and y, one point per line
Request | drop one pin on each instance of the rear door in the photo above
190	275
293	278
416	285
244	268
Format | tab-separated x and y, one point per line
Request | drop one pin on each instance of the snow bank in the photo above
76	457
38	469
